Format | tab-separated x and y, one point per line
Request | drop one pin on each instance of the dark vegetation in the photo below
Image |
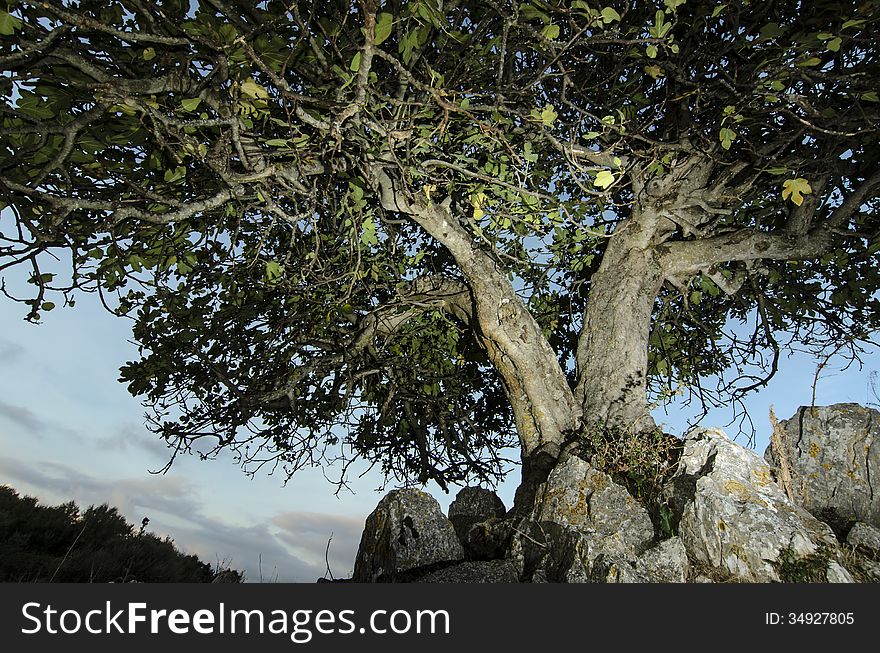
66	544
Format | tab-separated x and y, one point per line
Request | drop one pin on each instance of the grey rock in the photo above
614	568
665	563
489	539
580	515
834	455
739	521
871	569
475	505
405	532
476	571
864	537
588	500
836	573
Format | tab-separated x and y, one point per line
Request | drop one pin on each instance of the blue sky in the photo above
69	430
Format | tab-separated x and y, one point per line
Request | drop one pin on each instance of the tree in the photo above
422	231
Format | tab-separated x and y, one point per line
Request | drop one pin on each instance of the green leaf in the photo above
604	179
871	96
651	51
726	136
173	175
529	155
812	61
770	31
609	15
355	64
795	189
384	26
834	44
148	54
250	88
274	270
9	24
277	142
47	306
672	5
368	231
853	23
548	115
191	104
551	32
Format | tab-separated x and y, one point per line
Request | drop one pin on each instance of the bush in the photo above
65	544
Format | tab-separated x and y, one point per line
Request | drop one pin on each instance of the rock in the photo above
871	569
837	574
740	522
488	540
581	514
407	531
665	563
614	568
588	500
473	505
834	456
864	537
475	571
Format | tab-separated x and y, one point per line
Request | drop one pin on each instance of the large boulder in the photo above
738	522
587	500
581	516
474	505
834	456
406	532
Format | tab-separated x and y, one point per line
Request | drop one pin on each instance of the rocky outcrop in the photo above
739	522
834	456
406	532
724	517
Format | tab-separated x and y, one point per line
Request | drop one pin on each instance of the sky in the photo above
70	431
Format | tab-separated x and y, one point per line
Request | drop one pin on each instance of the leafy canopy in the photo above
214	165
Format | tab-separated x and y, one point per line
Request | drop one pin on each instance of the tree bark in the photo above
542	401
612	354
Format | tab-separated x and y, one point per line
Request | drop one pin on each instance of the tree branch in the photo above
693	256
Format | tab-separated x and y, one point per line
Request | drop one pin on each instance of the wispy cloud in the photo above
133	437
33	423
310	533
10	351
